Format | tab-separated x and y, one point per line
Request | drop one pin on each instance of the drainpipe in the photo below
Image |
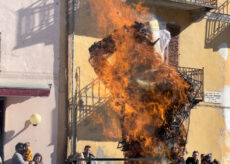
73	110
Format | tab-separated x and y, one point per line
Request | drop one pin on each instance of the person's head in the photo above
208	157
26	145
37	158
195	155
202	156
87	149
215	161
19	148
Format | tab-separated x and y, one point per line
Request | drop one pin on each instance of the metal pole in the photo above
72	57
152	160
75	7
73	111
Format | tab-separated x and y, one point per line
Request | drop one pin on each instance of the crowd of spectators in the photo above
205	159
23	155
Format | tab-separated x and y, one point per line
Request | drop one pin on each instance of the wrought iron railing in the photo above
217	21
95	94
223	8
205	3
90	97
195	77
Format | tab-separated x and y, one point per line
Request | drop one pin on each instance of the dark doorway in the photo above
2	125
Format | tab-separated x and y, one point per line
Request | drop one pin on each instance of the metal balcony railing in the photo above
117	160
195	77
95	94
205	3
92	96
217	21
185	4
223	8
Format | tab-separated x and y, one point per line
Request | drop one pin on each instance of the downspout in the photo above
73	111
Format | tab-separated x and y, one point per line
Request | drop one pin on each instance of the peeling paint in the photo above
223	51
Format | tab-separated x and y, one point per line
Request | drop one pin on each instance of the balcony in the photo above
217	22
195	77
184	4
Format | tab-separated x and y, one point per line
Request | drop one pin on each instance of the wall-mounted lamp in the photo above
35	119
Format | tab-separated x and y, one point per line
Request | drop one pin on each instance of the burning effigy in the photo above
150	96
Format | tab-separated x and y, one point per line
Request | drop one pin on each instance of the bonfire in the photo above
150	96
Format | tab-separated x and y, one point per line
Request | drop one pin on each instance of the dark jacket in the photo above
90	156
190	160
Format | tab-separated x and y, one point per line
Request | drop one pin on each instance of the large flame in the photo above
148	94
114	14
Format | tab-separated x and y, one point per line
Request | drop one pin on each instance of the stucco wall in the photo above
208	127
90	131
30	50
209	124
43	138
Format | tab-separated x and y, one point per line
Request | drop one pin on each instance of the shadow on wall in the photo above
35	23
16	100
216	34
54	133
86	17
39	23
102	125
169	15
9	135
101	154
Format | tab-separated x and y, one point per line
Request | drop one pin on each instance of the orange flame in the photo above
114	14
147	93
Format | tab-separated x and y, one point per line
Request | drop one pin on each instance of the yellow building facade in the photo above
201	44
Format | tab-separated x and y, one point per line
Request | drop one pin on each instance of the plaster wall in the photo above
30	41
208	126
89	132
208	131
